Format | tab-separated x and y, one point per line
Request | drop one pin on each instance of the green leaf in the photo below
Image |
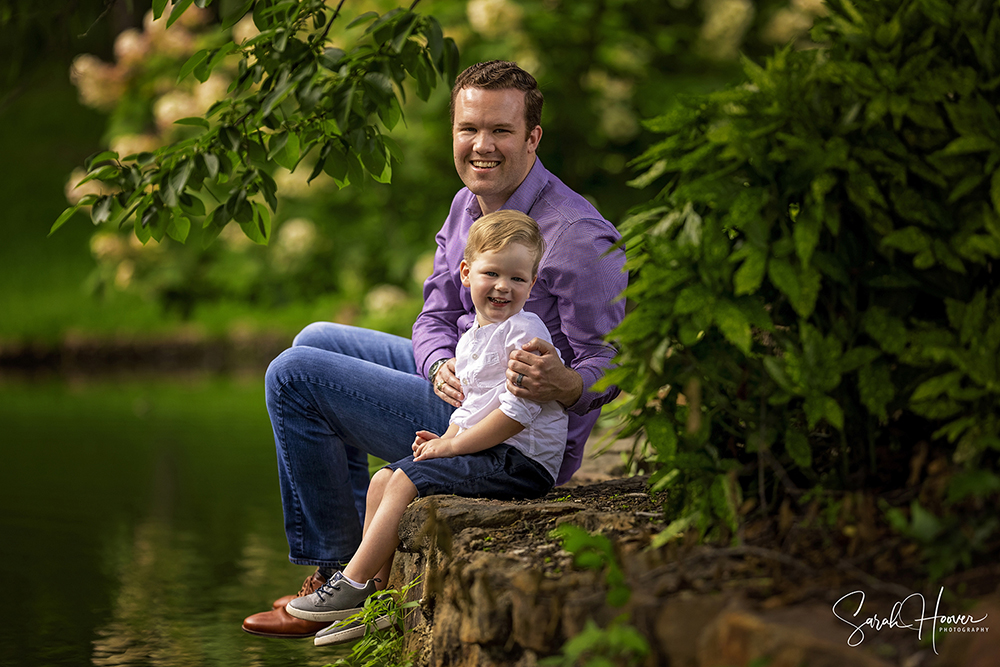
924	526
63	217
233	17
969	144
733	324
934	387
797	446
784	277
179	8
977	482
211	163
876	389
331	59
885	329
289	155
750	275
195	121
179	228
806	232
692	298
158	7
857	357
908	239
364	18
97	158
101	210
198	58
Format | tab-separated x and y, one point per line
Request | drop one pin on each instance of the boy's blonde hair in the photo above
497	230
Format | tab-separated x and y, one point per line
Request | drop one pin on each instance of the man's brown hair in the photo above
501	75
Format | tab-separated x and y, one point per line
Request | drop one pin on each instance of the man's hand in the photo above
429	446
447	385
546	378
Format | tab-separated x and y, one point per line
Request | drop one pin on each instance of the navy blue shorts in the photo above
500	472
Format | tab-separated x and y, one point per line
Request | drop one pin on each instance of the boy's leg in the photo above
375	491
374	556
329	409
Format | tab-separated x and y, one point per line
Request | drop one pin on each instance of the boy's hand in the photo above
432	447
422	437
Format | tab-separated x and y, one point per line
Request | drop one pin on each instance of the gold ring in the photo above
440	386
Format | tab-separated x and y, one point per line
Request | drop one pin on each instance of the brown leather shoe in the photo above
279	623
311	583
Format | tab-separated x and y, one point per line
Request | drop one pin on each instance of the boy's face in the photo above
500	282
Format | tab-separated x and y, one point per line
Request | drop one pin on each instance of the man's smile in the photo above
485	164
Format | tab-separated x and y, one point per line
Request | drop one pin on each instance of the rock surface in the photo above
497	590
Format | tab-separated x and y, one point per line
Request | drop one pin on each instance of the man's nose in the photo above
483	142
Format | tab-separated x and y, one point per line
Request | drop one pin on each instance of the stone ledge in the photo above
497	591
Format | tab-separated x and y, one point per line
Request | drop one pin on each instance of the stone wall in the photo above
498	591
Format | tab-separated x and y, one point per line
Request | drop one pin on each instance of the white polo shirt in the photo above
481	365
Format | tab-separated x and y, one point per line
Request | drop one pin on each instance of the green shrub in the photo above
814	284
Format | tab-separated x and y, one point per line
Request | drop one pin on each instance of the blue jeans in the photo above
338	394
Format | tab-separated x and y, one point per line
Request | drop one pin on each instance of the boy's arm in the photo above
494	429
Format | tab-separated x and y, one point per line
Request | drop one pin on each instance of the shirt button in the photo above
475	356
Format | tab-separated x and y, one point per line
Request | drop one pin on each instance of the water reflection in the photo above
140	524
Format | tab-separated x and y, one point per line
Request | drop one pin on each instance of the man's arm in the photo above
435	331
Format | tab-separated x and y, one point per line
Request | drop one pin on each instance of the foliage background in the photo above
352	255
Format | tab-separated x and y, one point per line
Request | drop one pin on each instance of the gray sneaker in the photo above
333	601
348	631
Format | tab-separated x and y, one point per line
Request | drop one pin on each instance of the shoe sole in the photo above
351	633
324	616
275	635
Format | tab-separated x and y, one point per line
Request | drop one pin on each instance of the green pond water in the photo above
139	524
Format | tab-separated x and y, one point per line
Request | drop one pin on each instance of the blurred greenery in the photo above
604	67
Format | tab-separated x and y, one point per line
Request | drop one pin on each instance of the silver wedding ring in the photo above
519	379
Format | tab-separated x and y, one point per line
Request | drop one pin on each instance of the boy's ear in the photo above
463	272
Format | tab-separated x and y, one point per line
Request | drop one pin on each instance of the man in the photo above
341	393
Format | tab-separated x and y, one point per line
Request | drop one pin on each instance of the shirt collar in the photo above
524	197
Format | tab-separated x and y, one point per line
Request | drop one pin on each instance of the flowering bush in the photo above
204	115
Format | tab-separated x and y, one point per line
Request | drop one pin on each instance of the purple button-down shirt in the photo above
576	295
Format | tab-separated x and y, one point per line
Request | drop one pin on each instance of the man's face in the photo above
493	149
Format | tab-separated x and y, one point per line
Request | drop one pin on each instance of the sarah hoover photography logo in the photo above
910	613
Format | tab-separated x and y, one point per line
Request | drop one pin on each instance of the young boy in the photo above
496	445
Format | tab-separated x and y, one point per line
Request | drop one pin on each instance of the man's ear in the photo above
463	271
533	138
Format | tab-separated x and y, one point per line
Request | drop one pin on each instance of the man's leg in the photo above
337	395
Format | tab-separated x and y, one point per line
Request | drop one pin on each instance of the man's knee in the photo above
284	369
317	334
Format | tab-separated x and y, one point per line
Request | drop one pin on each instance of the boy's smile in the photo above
500	282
